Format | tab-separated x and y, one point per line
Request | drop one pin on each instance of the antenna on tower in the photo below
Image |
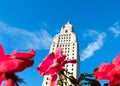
69	22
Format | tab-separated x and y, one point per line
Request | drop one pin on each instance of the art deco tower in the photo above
67	40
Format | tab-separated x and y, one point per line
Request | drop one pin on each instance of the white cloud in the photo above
13	37
94	46
115	29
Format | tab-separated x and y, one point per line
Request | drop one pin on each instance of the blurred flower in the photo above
53	64
15	62
109	72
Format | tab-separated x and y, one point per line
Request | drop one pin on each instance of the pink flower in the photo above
53	64
109	72
15	62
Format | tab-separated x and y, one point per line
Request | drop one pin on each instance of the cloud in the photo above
13	37
115	29
94	46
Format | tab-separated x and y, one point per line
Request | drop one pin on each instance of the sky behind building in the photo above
26	24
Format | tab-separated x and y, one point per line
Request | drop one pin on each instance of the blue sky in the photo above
26	24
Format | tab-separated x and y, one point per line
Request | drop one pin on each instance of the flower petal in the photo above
52	69
2	54
46	62
69	61
1	51
58	54
54	80
116	61
105	71
8	66
24	64
114	82
23	55
15	65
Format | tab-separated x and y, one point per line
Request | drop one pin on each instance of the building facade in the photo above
67	40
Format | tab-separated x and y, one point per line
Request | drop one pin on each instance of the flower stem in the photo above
10	82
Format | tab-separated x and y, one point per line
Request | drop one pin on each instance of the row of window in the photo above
64	37
66	53
66	48
64	45
69	58
61	35
67	65
63	40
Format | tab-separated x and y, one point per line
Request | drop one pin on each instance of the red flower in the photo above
109	72
53	64
15	62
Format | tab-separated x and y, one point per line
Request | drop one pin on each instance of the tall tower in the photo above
67	40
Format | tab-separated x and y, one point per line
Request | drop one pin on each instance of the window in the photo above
47	78
53	45
72	65
65	83
72	69
66	31
46	83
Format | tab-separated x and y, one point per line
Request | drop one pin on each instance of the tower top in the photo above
68	23
67	28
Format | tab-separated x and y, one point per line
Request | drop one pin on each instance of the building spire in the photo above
69	22
67	28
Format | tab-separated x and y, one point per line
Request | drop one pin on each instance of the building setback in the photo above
67	40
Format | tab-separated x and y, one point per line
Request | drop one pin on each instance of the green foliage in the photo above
88	79
84	79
